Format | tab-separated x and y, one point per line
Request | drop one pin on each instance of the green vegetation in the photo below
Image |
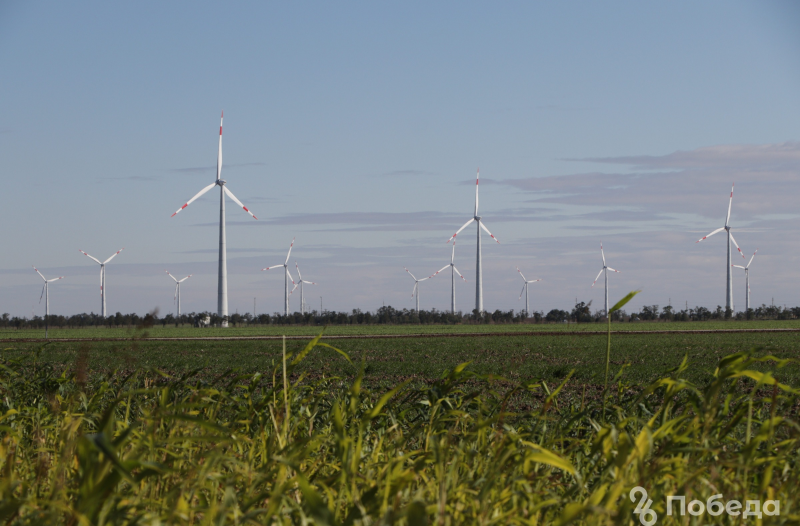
141	446
170	331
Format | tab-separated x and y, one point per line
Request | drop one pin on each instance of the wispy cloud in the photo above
211	168
406	173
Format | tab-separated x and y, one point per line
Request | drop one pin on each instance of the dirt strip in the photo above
410	335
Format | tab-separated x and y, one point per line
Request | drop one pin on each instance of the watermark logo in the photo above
676	505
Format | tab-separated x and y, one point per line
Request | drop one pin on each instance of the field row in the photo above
170	331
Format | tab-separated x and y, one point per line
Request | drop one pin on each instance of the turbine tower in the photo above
525	290
222	274
46	293
453	272
727	228
102	278
478	265
178	289
605	269
747	280
286	279
415	290
302	296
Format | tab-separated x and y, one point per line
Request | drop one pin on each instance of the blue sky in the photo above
358	129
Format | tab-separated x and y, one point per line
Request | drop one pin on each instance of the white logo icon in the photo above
647	516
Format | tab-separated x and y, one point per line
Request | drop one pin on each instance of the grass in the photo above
159	331
78	447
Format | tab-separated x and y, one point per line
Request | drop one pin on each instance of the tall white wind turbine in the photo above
46	293
525	290
415	290
478	265
178	289
605	269
453	272
222	275
747	280
286	279
727	228
102	277
302	296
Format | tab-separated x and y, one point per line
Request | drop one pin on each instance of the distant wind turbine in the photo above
46	293
453	272
605	269
286	279
727	228
525	290
747	280
178	289
222	273
302	296
102	278
415	290
478	263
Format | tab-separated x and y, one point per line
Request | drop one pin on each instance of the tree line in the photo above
388	315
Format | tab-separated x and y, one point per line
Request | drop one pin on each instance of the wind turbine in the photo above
727	228
525	290
415	290
178	289
478	266
302	296
747	280
46	293
453	272
286	279
605	269
102	277
222	275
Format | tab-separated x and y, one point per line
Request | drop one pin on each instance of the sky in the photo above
358	128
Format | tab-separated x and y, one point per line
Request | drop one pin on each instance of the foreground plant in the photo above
150	448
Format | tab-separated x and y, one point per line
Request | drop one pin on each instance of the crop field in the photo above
92	433
170	331
548	357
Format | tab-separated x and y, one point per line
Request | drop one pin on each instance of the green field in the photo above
170	331
388	360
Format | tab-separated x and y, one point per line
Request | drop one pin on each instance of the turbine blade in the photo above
290	276
441	269
201	192
520	293
273	266
598	277
535	280
737	246
414	289
233	197
293	288
751	259
460	229
299	276
711	234
285	263
55	279
309	282
187	277
602	254
42	294
728	218
37	271
176	293
412	275
459	273
90	257
609	268
423	279
487	231
453	254
219	153
113	255
477	180
738	266
170	275
521	274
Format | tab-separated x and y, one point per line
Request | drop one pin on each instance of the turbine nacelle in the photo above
221	182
